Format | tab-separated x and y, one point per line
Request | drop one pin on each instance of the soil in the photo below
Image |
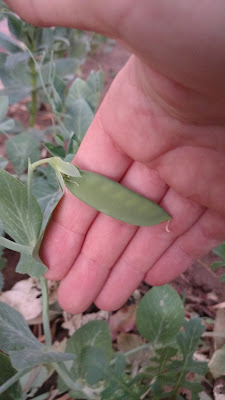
200	285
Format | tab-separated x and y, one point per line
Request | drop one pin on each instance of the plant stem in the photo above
136	349
41	162
33	77
9	244
66	378
45	316
56	114
12	380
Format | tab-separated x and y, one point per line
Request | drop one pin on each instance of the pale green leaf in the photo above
96	83
21	147
29	265
217	363
94	365
160	315
22	226
78	90
78	118
9	44
93	334
15	334
29	358
3	162
43	191
7	126
4	104
64	167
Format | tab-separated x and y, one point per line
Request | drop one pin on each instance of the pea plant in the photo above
31	48
89	368
220	252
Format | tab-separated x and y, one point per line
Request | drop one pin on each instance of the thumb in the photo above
182	40
98	15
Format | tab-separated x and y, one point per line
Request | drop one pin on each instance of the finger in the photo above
72	218
81	14
204	236
122	119
106	240
155	37
144	250
200	176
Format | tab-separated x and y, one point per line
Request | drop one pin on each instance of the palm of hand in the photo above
163	148
163	139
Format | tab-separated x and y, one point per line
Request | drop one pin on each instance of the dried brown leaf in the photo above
74	322
123	320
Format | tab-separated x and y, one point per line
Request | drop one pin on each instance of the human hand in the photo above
160	131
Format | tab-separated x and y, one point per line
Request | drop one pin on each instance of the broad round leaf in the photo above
160	315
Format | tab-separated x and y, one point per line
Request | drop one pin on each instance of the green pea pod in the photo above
115	200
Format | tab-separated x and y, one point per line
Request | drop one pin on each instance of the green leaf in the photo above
78	90
217	363
22	226
14	331
217	264
1	281
160	360
96	83
78	118
64	167
16	80
178	370
189	339
7	372
59	92
7	126
94	334
28	265
73	146
3	162
160	315
15	58
117	369
21	147
4	105
29	358
15	26
9	44
94	364
44	192
55	151
220	250
15	92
